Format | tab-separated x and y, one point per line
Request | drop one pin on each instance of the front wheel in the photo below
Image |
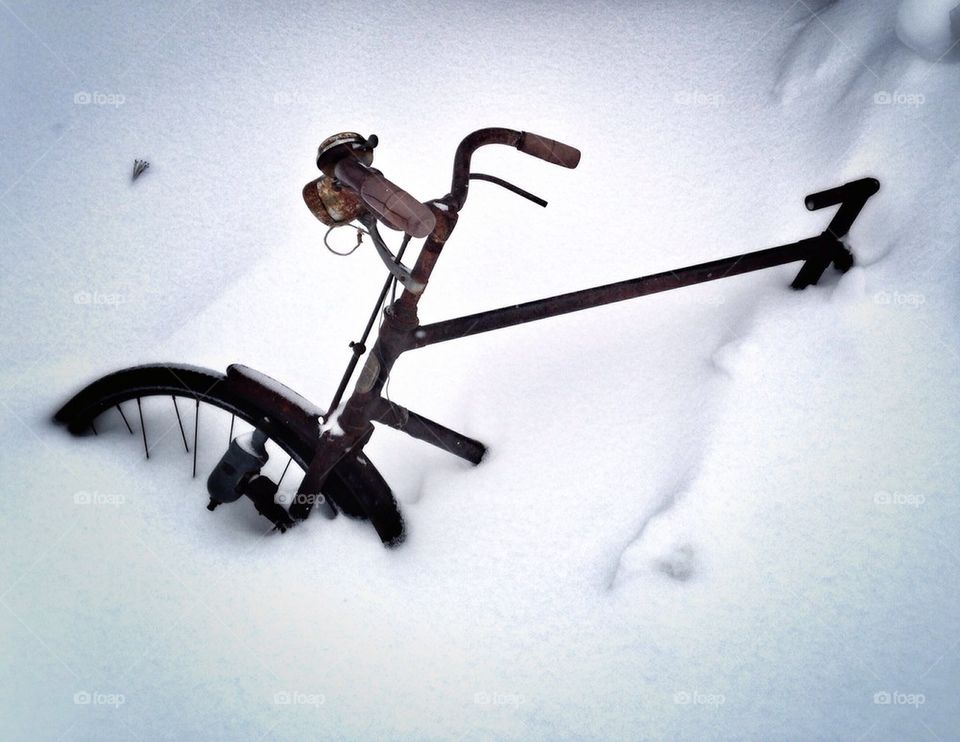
189	388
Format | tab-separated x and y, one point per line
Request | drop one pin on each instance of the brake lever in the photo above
396	268
509	186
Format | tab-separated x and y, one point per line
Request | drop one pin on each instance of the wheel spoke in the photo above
196	423
120	410
93	428
284	472
180	423
230	437
143	429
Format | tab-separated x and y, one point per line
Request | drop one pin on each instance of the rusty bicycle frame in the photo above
402	332
329	444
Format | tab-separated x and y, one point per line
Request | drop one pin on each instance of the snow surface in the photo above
929	27
728	512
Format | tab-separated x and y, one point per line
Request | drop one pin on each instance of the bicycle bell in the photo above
326	199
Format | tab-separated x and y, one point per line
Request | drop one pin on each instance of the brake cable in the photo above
359	346
360	233
509	186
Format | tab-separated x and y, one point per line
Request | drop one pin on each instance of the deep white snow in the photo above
727	512
929	27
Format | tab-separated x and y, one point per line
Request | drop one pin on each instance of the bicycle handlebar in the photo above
550	150
346	158
395	207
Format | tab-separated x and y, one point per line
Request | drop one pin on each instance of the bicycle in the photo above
329	445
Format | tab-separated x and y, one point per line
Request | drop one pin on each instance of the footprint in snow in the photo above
680	564
661	544
738	357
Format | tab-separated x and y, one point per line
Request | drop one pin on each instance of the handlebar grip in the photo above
856	189
395	207
550	150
